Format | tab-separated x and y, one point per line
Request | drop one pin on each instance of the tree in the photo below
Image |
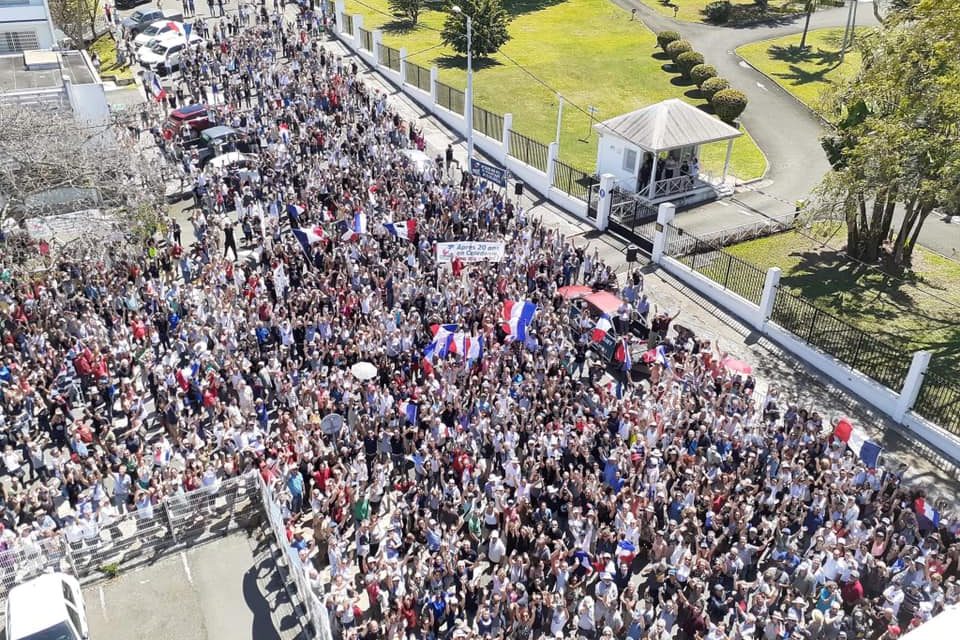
76	18
490	22
406	10
728	104
809	8
894	148
51	165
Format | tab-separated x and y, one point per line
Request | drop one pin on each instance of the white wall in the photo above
610	151
41	28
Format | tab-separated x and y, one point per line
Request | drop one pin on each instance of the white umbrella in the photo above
332	423
363	370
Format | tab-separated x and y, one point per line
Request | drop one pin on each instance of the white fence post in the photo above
768	297
357	25
377	41
507	126
553	150
403	66
912	384
339	7
665	214
434	75
607	182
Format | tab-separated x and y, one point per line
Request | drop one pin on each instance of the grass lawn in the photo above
741	10
919	311
588	50
805	74
106	48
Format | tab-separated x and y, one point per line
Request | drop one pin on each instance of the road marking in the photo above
723	204
745	212
760	84
743	63
103	605
186	567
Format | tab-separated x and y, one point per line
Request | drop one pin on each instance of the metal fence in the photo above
886	363
418	76
449	98
571	180
528	151
366	39
488	123
291	566
939	401
347	23
764	227
733	274
390	57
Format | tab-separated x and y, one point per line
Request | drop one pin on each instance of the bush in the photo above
728	104
666	37
718	12
675	48
701	73
712	86
689	60
762	4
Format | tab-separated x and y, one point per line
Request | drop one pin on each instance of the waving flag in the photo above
294	212
622	355
657	355
159	93
601	328
411	411
474	349
442	341
866	450
517	316
925	509
403	230
357	228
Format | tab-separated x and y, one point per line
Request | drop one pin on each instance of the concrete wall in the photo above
610	150
532	178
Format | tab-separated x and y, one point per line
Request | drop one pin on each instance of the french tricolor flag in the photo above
307	237
601	328
468	347
357	228
294	212
517	316
925	509
159	93
867	450
403	230
442	342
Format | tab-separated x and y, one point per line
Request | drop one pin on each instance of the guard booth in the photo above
654	154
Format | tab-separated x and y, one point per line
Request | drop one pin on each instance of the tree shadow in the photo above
670	67
694	94
659	55
680	81
399	27
519	7
706	107
456	61
809	55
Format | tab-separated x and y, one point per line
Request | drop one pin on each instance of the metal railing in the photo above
488	123
292	567
347	20
449	98
741	233
733	274
939	401
571	180
418	76
391	58
885	363
528	151
365	38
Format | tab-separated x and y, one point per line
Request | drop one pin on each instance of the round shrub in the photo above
728	104
689	60
666	37
718	12
675	48
702	72
713	85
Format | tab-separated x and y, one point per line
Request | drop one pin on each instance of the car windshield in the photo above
149	31
136	15
61	631
159	48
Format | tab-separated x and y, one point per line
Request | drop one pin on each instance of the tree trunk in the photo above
806	26
912	243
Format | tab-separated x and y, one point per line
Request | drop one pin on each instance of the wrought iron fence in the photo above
449	98
391	59
571	180
885	363
528	151
733	274
631	214
488	123
366	39
939	401
292	568
418	76
347	23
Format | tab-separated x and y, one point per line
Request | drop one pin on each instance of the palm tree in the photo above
810	7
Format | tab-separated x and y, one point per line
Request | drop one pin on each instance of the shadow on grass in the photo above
659	55
670	68
680	81
460	62
518	7
794	54
399	27
694	94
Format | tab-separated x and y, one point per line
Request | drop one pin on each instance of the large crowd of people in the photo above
509	492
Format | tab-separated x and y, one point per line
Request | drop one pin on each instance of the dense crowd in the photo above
514	493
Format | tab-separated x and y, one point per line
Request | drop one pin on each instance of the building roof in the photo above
15	76
666	125
36	605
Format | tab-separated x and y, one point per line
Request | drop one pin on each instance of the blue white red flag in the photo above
403	230
601	328
517	316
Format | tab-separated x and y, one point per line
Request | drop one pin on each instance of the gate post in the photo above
911	385
604	199
665	213
434	78
552	152
507	126
338	11
768	297
377	38
403	66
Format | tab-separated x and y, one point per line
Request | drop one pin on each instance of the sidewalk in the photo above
771	365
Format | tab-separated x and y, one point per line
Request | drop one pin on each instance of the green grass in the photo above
742	10
918	311
106	48
806	74
588	50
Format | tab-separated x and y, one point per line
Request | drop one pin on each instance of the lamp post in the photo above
468	107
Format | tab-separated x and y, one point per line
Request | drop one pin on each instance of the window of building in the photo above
629	160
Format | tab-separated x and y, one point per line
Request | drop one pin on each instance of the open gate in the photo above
634	218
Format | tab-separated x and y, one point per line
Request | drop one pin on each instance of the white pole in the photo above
559	118
469	106
846	30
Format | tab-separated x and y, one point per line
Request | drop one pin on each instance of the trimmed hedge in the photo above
712	85
728	104
675	48
718	12
687	61
702	72
666	37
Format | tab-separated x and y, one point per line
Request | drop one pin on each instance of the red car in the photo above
195	116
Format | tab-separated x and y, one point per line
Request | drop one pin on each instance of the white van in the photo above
48	607
164	54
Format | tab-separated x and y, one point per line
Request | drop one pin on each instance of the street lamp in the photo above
468	107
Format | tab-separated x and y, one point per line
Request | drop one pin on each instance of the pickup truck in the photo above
143	18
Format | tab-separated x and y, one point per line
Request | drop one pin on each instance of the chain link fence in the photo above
449	98
418	76
528	151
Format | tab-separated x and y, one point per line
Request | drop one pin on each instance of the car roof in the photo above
164	22
217	132
36	605
190	110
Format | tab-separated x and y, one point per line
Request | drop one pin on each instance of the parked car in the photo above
164	56
129	4
242	166
194	116
48	607
143	18
157	29
216	141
